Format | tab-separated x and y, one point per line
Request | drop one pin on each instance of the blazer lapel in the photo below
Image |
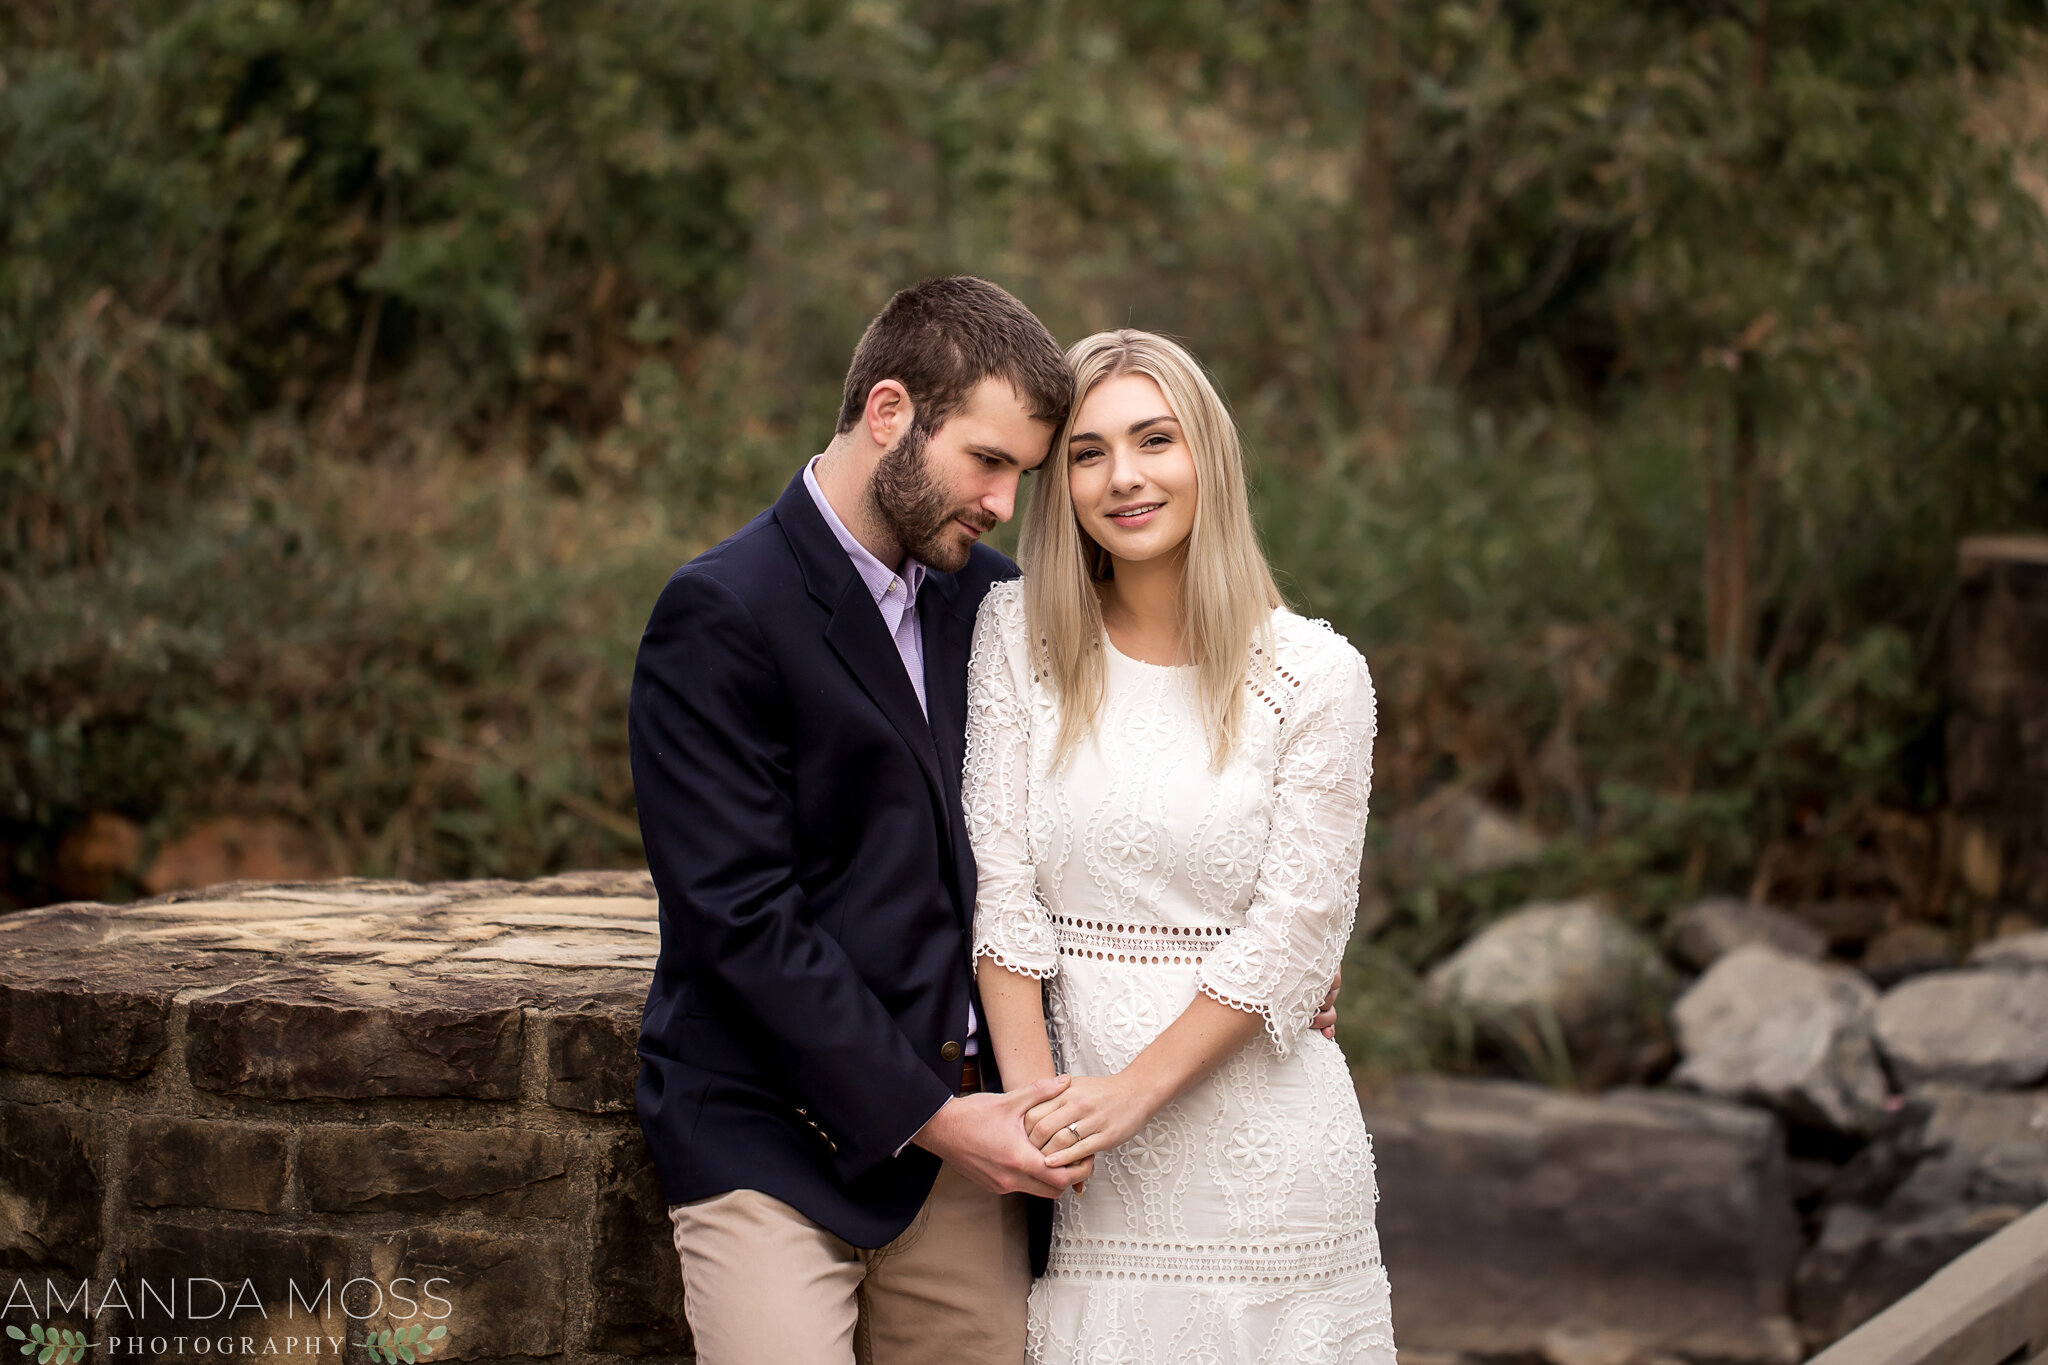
945	674
855	631
948	640
857	635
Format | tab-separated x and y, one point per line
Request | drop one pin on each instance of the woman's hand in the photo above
1093	1114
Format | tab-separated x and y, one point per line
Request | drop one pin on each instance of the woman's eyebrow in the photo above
1133	430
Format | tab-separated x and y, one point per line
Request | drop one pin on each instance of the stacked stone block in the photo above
418	1096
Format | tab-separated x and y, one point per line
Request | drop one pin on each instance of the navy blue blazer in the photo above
803	824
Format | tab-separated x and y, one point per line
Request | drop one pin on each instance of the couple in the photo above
980	893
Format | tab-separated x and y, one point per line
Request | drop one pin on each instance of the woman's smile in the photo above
1136	515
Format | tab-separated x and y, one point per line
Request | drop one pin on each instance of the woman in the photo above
1166	786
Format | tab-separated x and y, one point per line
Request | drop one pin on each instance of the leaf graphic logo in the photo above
409	1344
52	1346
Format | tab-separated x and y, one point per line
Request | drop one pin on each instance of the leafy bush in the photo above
1619	378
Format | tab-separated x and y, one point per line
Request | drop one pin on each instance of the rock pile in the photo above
1959	1142
1870	1123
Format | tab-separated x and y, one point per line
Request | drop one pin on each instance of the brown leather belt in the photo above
970	1076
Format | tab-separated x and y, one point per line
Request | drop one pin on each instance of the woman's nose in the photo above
1124	474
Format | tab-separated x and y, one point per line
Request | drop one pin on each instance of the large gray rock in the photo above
1986	1028
1569	973
1466	836
1708	930
1980	1160
1773	1029
1508	1210
1983	1147
2019	951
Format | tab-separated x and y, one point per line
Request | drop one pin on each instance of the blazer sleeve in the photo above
708	732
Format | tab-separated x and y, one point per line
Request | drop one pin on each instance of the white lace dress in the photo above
1238	1225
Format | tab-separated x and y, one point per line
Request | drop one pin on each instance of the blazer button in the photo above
950	1052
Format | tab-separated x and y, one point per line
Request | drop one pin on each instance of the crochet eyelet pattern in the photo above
1237	1225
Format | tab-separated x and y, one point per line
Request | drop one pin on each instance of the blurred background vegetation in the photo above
1619	376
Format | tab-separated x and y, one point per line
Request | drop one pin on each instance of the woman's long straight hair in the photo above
1227	595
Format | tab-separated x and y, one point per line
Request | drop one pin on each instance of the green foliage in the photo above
216	207
1618	377
52	1345
409	1344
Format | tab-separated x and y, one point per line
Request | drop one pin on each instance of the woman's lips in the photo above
1137	516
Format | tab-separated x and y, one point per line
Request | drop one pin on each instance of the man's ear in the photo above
889	413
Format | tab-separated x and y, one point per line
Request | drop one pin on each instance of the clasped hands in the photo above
1043	1138
1096	1113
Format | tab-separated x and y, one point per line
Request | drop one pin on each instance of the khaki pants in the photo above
764	1285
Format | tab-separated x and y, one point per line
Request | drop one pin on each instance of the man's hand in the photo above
1095	1114
982	1137
1325	1021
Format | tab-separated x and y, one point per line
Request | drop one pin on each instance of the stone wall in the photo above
282	1087
1998	722
385	1088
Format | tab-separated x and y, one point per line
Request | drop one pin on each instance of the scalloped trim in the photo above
1009	964
1007	595
1281	1045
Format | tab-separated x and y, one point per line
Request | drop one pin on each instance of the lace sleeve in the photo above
1011	925
1280	961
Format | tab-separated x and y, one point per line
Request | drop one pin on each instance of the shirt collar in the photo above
879	577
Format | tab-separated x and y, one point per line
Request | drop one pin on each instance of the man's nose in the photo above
1000	502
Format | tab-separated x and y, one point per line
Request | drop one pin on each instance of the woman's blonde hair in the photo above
1227	595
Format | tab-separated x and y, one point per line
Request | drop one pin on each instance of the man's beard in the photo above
916	508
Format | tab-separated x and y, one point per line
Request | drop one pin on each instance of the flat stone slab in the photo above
349	989
1661	1221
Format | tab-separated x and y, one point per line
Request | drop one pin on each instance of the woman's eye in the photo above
1157	439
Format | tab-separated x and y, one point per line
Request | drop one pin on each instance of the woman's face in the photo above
1130	472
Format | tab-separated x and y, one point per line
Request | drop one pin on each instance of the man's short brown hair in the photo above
941	338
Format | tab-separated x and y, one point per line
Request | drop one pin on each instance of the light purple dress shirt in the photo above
894	590
895	594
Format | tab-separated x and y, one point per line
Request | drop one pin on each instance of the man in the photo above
845	1173
846	1179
